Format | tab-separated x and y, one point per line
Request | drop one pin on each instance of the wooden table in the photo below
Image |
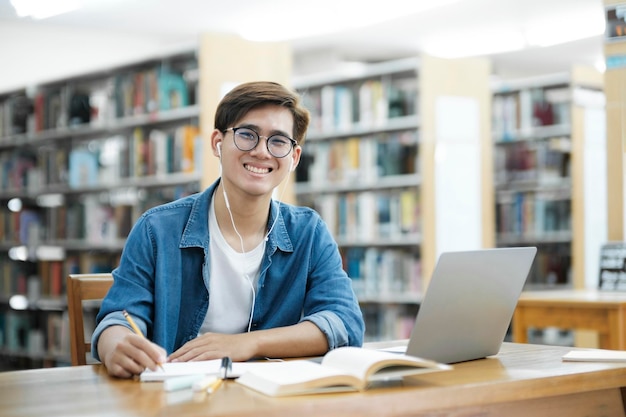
600	311
522	380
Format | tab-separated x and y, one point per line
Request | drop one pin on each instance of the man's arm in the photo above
302	339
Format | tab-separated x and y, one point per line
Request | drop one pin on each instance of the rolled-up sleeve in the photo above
330	302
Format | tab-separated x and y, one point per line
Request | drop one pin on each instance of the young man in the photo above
229	271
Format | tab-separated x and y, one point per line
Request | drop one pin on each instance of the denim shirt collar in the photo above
196	231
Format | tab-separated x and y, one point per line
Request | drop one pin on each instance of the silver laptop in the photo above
469	304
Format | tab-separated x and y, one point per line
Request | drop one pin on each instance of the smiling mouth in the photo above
257	170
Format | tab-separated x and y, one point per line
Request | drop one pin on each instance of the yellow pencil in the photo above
204	384
215	386
136	329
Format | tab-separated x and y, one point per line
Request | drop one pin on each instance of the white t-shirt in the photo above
231	292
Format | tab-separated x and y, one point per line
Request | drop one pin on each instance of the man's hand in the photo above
302	339
239	347
126	354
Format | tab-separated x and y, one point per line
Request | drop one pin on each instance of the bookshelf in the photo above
367	168
75	177
80	160
548	133
614	78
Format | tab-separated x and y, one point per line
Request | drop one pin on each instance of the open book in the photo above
341	369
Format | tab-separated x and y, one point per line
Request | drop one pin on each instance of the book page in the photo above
364	363
295	371
298	377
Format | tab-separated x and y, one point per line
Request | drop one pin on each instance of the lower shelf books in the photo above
341	369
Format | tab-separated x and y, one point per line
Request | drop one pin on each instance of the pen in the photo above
226	366
136	329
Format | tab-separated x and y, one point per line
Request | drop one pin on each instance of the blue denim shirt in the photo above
163	276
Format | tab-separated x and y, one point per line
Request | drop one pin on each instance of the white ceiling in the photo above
180	20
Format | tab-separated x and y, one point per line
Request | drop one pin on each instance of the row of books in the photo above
14	276
90	220
524	109
18	169
20	227
365	103
49	282
154	154
101	99
370	215
46	279
96	218
37	336
532	213
15	110
552	266
104	161
394	322
379	272
150	90
541	161
92	262
360	159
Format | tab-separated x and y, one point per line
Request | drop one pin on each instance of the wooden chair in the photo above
81	287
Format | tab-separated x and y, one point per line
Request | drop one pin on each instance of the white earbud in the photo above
219	153
291	167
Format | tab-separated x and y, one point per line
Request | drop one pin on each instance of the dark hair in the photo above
248	96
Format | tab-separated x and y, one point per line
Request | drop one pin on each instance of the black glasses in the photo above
246	139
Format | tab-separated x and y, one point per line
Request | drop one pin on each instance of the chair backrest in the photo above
81	287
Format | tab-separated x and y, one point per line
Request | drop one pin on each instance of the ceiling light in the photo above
42	9
474	44
324	17
572	27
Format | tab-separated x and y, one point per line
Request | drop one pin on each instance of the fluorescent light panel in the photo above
537	34
325	17
42	9
474	44
572	27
